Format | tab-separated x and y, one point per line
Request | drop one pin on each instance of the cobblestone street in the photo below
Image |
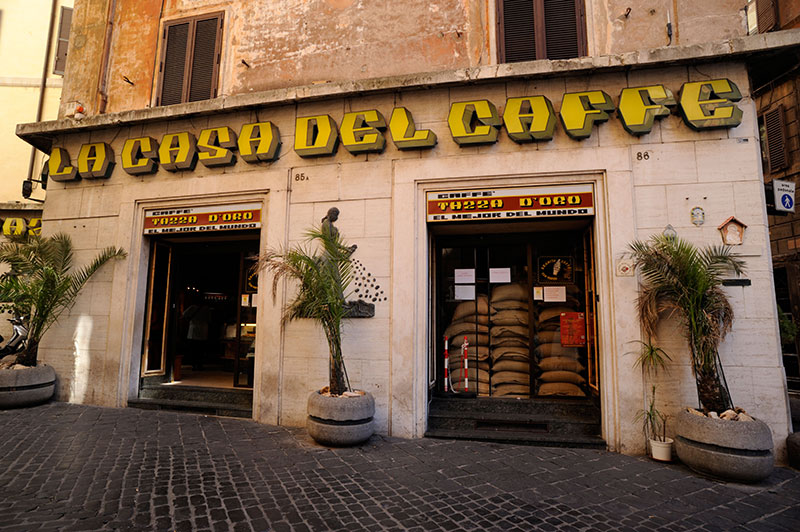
68	467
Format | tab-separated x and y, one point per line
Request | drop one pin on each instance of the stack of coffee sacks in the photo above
510	341
560	366
470	320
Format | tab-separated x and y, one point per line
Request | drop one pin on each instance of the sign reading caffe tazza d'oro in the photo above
203	219
510	203
702	104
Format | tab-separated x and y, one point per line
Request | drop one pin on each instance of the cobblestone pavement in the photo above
68	467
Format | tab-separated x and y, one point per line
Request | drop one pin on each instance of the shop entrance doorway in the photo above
198	349
521	296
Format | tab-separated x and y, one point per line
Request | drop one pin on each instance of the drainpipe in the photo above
43	83
101	108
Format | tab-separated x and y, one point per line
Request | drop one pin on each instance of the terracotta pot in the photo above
27	386
340	420
731	450
661	450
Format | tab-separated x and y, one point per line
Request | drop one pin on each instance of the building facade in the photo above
491	161
33	48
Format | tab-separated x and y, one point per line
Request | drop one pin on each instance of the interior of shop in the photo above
201	312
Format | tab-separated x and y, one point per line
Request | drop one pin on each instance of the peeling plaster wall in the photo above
302	42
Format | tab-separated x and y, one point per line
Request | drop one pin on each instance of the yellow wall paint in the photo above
23	41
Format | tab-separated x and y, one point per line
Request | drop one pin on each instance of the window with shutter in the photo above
540	29
767	15
774	134
190	59
64	25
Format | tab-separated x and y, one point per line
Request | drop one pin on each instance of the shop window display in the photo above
520	303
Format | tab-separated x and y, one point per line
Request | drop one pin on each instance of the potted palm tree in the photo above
323	270
679	280
39	286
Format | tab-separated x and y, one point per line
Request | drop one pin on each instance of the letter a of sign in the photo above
178	151
259	141
529	119
640	106
58	166
95	161
709	104
580	110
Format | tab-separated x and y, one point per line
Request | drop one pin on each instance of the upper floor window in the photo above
63	41
190	55
540	29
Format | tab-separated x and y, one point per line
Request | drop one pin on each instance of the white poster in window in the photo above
538	293
465	292
499	275
465	276
245	300
555	294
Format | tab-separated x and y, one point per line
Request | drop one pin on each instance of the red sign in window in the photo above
573	329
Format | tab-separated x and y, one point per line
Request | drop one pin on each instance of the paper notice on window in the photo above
538	293
465	276
465	292
555	294
499	275
245	300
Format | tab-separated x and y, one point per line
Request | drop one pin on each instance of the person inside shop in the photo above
198	316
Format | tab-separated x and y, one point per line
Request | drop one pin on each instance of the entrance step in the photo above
240	397
197	407
552	422
231	402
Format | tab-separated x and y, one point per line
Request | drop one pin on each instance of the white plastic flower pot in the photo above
661	450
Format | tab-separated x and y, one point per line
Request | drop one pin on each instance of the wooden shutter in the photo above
775	139
766	15
190	60
561	22
64	25
204	60
518	31
173	67
540	29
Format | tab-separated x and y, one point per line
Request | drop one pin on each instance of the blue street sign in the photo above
787	201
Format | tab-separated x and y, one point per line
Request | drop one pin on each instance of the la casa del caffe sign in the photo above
702	105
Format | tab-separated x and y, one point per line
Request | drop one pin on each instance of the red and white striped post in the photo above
466	365
446	365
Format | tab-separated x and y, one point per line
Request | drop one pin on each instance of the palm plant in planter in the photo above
680	280
41	284
337	415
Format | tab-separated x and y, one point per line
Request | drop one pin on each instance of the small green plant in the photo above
654	423
788	327
651	358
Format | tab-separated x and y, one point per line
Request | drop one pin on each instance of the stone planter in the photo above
340	421
731	450
26	387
